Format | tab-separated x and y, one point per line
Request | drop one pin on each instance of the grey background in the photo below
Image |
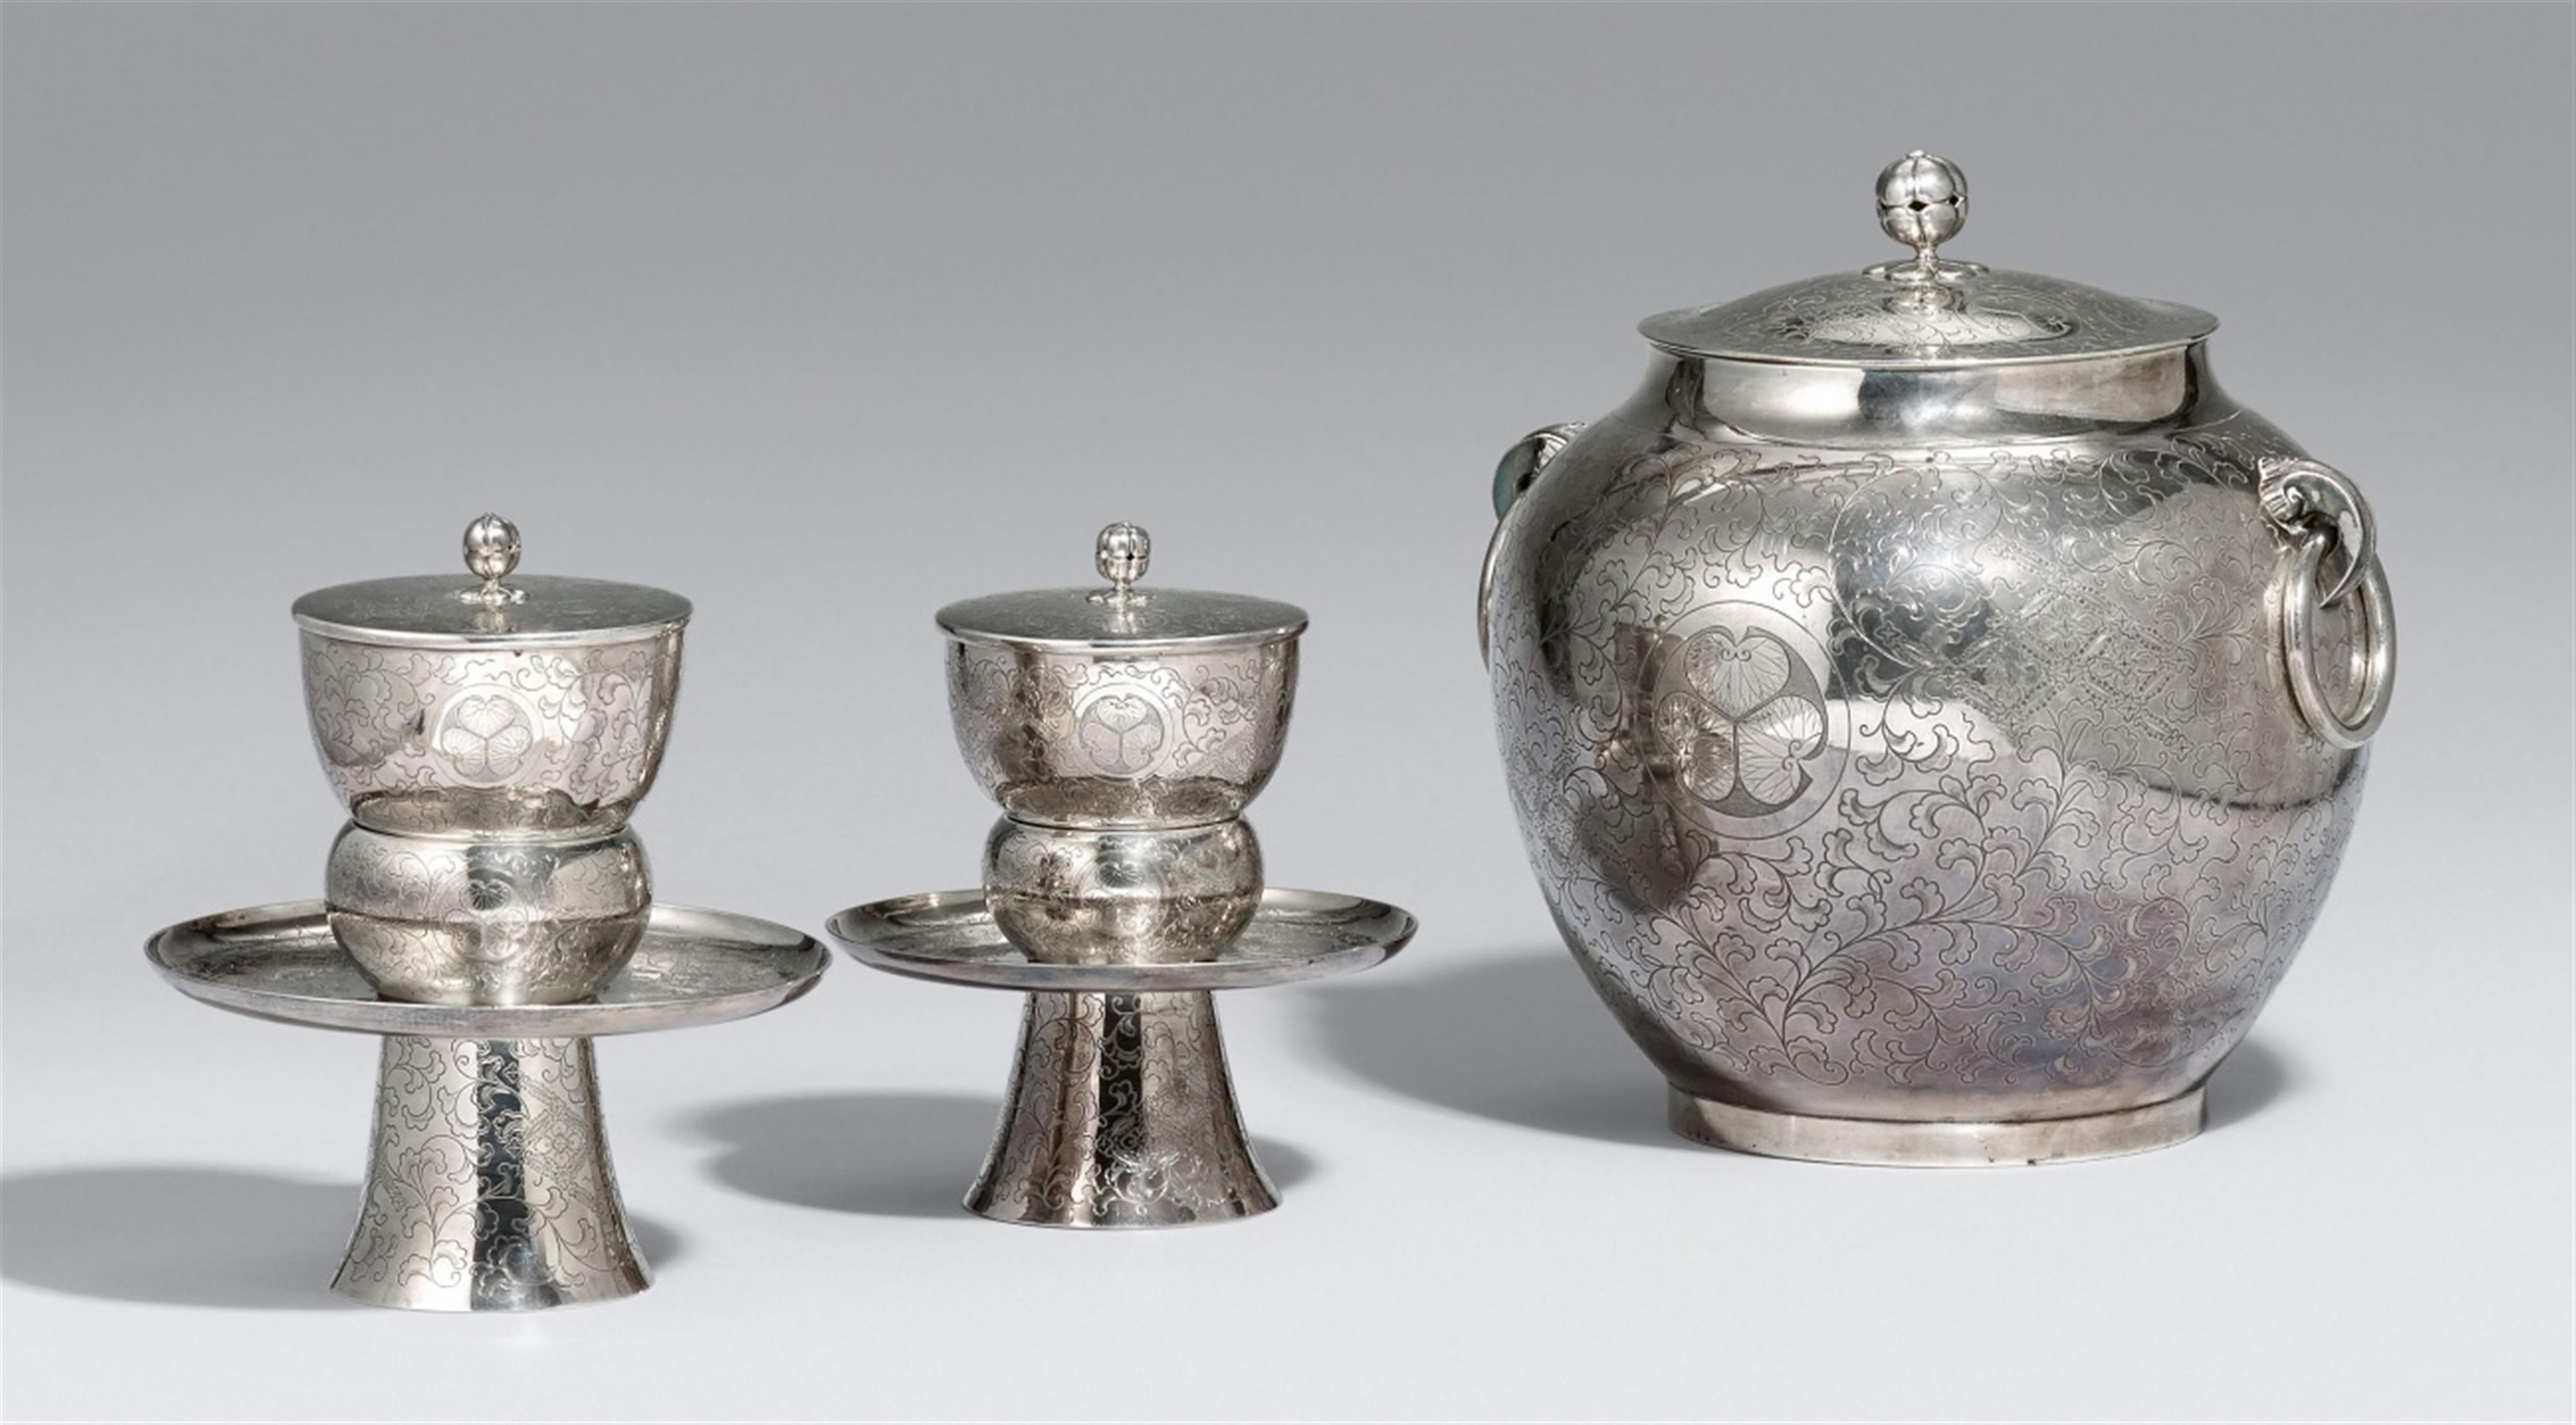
827	316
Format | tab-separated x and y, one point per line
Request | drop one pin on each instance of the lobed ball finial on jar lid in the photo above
1927	311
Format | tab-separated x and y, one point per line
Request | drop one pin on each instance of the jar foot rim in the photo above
1884	1143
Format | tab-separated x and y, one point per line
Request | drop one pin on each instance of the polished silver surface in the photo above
488	1183
1123	707
693	967
1075	896
1962	734
1929	311
452	706
1120	1113
950	936
487	922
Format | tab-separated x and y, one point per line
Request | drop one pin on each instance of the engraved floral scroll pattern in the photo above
2079	834
1176	728
583	724
489	1182
1120	1113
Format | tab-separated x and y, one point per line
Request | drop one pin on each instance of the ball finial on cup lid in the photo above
491	552
1122	555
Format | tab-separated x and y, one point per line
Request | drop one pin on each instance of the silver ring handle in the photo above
2323	514
1519	468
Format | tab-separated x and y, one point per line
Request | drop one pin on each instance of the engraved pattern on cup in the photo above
491	741
1074	739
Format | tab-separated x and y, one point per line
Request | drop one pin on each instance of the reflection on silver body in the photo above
1122	730
1090	897
487	922
1933	706
489	1187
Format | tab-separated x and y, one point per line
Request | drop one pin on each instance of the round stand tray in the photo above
695	967
949	936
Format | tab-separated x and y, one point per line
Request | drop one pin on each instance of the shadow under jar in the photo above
490	737
1933	707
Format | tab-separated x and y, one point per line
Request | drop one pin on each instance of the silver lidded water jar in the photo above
1933	707
490	737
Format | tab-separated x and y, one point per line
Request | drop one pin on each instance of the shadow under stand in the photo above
489	1186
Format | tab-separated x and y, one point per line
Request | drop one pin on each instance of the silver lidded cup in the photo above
490	737
1123	730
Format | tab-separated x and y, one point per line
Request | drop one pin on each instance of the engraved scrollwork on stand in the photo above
489	1186
1120	1114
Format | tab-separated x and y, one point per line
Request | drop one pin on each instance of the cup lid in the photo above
1929	311
1122	616
439	610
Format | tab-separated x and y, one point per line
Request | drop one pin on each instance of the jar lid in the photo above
441	610
1929	311
1122	616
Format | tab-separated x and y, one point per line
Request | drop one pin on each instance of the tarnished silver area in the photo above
1959	732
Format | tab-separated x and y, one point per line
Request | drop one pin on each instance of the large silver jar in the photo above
1934	707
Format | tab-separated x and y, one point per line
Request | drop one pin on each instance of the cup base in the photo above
1883	1143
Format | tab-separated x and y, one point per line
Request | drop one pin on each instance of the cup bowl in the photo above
1125	740
495	740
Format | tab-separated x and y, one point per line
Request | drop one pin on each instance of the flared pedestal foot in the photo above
1936	1145
489	1188
1120	1114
